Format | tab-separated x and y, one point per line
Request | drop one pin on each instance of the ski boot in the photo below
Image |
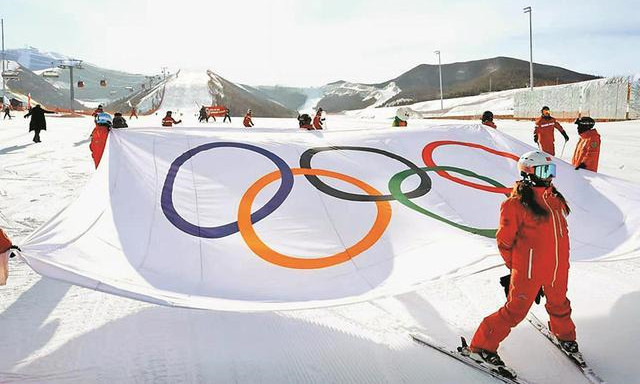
490	360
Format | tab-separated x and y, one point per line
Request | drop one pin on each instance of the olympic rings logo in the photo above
285	174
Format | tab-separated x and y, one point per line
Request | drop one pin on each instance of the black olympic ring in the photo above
421	190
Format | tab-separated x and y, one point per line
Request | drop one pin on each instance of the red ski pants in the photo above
522	292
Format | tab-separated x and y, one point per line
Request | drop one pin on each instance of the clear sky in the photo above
312	42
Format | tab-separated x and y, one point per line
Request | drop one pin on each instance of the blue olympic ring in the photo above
166	199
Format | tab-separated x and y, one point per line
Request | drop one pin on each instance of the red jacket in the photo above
5	243
168	121
489	124
544	132
247	122
317	121
538	247
99	138
588	150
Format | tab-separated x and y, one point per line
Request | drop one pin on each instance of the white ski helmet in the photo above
537	163
403	113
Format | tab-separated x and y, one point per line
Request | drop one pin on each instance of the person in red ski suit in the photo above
247	121
487	119
133	113
533	240
6	247
318	120
99	136
168	120
587	150
543	133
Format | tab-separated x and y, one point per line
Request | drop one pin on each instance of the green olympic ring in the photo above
395	188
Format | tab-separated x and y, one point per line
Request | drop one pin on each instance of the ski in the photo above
576	358
506	375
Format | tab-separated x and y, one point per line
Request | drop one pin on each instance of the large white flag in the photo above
269	219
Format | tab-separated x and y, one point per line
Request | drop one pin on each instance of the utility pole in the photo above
70	65
528	10
489	83
4	87
440	71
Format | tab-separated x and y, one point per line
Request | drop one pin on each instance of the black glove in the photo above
505	281
566	137
11	255
535	137
581	165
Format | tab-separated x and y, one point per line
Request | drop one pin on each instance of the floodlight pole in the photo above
440	72
528	10
4	87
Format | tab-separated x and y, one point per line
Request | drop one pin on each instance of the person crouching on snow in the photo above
533	240
99	136
487	119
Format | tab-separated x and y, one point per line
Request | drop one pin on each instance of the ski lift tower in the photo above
70	64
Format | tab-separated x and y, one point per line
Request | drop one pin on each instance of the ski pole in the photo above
563	145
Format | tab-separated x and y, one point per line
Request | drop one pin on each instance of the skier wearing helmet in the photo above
168	120
99	136
587	150
247	121
543	133
487	119
533	240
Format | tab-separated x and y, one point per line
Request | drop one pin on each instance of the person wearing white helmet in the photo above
99	136
533	240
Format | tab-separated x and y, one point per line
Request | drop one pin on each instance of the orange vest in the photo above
532	245
317	122
588	150
168	121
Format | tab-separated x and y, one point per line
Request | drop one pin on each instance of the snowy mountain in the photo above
422	83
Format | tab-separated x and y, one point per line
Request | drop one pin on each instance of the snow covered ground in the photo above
55	332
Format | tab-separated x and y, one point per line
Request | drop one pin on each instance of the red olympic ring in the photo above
262	250
427	157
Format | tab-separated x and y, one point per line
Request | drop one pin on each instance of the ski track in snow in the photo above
57	333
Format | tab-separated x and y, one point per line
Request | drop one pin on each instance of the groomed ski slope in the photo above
54	332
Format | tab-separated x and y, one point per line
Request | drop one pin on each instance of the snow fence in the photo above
614	98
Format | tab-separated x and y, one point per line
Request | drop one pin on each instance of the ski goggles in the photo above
545	171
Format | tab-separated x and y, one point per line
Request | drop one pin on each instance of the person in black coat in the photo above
119	121
38	122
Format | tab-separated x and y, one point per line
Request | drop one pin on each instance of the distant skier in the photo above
318	120
7	113
97	111
304	121
119	121
587	150
38	122
6	252
99	136
133	113
487	119
533	240
248	120
202	115
227	115
543	133
168	120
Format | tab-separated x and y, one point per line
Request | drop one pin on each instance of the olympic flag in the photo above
273	219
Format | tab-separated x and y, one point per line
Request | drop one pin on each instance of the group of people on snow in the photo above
305	122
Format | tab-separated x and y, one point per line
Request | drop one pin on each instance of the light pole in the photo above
4	87
528	10
70	64
440	71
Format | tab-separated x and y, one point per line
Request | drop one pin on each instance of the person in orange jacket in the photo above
247	121
533	240
168	120
318	120
99	136
487	119
6	248
587	150
134	112
543	133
